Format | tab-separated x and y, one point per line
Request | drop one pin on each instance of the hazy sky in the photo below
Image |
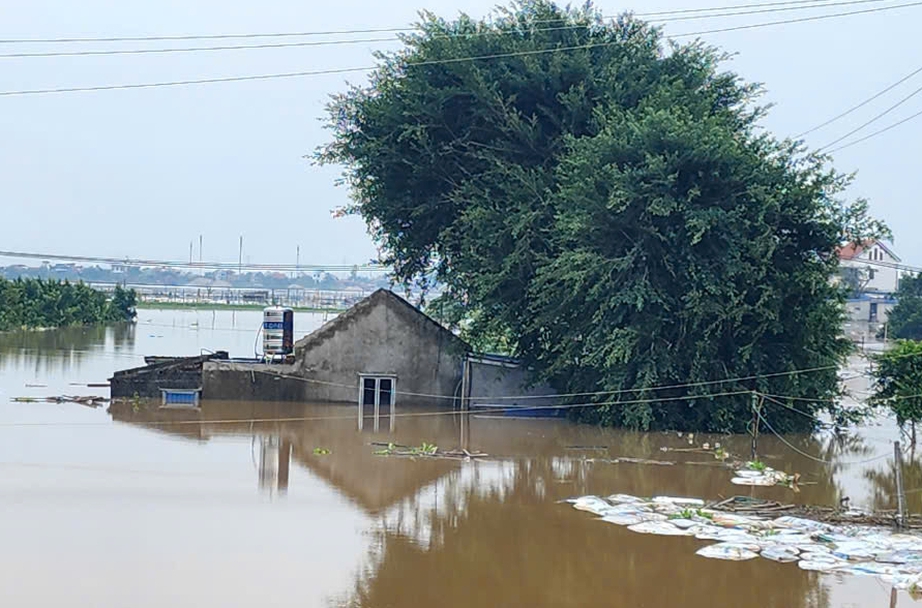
141	173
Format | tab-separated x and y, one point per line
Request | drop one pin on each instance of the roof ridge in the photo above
379	295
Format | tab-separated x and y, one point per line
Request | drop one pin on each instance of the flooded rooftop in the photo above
253	503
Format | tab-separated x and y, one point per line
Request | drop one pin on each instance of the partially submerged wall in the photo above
508	384
169	373
246	381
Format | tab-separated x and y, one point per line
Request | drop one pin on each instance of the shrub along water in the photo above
30	303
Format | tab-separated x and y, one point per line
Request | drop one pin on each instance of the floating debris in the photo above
623	459
783	555
757	474
728	551
660	528
89	401
860	550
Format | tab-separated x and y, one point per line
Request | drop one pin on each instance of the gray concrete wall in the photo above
231	381
387	336
492	380
147	381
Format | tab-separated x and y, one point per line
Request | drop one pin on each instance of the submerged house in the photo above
378	347
380	352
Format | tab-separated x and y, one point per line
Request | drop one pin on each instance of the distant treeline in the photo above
29	303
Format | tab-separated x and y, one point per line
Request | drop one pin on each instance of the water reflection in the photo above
58	350
491	532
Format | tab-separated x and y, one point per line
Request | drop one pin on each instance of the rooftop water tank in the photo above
278	331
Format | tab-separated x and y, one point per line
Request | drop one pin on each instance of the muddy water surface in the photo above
138	506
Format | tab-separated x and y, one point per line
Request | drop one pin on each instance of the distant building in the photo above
874	265
872	271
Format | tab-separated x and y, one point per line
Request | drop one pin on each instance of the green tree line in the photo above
31	303
605	204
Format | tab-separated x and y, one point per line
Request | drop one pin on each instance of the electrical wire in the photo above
610	393
875	134
814	458
860	105
321	43
800	5
812	417
331	71
352	417
873	119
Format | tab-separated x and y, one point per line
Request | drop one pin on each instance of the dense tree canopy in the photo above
905	320
604	203
37	303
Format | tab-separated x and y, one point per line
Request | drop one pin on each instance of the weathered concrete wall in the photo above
147	381
382	335
490	380
234	381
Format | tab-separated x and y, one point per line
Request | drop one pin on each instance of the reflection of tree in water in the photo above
883	485
59	349
498	540
123	336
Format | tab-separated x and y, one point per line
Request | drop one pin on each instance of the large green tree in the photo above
605	202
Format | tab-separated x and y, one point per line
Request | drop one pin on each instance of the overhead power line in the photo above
860	105
320	43
428	63
882	264
872	120
875	134
797	4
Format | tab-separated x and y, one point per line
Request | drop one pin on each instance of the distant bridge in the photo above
200	265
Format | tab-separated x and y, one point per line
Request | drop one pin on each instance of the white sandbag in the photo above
782	555
623	519
726	551
659	528
673	500
815	566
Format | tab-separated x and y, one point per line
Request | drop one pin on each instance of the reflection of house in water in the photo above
286	432
274	463
484	522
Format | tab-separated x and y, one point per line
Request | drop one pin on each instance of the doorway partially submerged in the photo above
377	392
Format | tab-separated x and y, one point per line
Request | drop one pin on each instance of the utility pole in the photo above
240	257
190	253
756	416
900	494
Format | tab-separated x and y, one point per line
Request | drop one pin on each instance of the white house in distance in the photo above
876	262
876	270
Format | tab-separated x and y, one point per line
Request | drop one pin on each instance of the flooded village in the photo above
387	305
273	472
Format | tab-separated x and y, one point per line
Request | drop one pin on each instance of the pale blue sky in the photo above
142	172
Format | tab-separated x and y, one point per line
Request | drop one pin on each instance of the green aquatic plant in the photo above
756	465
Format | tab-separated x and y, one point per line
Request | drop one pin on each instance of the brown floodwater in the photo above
239	504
